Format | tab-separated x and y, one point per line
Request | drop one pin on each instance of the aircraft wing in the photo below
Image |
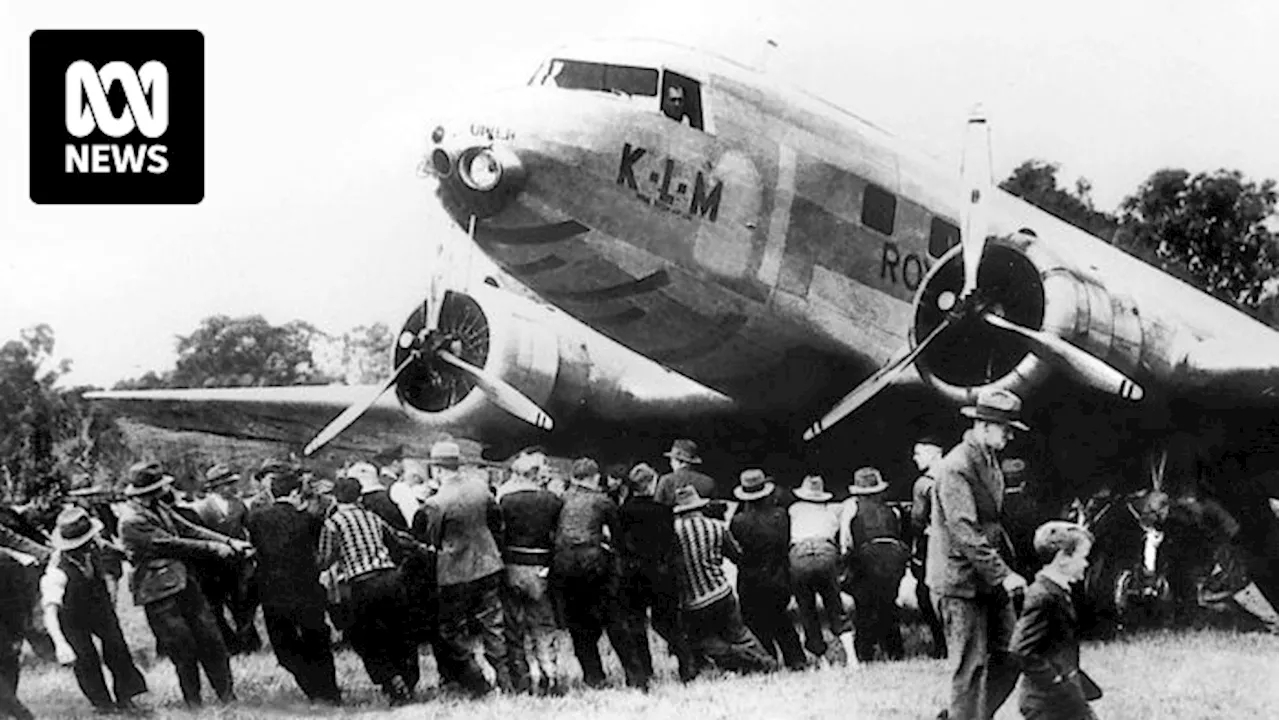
290	415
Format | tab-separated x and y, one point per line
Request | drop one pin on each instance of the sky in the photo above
316	115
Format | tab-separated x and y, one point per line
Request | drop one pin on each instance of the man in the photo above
374	496
673	104
287	539
78	607
530	514
711	611
815	567
683	457
877	557
16	592
583	567
926	454
159	543
648	582
29	544
357	541
231	589
970	581
462	521
762	528
411	490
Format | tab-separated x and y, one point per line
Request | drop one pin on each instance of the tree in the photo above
1036	182
367	354
242	352
1210	229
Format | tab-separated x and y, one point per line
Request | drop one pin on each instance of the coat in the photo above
229	522
462	522
287	540
966	538
158	543
1045	644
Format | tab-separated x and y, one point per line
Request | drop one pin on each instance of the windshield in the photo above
580	75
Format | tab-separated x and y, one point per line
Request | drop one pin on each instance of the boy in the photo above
1044	641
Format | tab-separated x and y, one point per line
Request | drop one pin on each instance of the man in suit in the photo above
231	589
159	542
374	496
684	460
293	602
970	580
462	521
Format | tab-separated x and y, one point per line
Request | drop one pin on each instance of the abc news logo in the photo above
117	116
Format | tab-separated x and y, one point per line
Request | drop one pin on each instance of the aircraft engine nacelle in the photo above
1024	282
506	337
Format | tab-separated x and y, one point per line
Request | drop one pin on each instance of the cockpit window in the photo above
682	99
580	75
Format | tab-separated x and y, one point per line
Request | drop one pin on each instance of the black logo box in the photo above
182	52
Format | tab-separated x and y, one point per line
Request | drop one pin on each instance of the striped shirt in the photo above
704	545
353	538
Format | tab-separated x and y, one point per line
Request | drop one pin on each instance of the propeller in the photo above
431	342
975	168
1086	368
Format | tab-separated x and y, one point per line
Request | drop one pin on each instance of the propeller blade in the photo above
353	413
872	385
502	393
975	168
1085	367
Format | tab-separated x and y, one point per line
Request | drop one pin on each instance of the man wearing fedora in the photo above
762	528
815	566
463	522
684	459
926	454
287	538
230	589
970	580
876	558
712	616
78	607
159	543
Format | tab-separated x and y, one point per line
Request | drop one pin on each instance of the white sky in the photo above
315	115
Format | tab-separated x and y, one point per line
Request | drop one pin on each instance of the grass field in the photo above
1187	674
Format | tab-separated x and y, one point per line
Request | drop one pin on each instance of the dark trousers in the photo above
978	634
591	608
80	627
925	602
300	639
875	618
764	611
11	629
718	634
378	633
231	591
187	634
466	610
647	590
815	573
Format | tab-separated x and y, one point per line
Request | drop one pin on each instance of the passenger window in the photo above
682	99
878	209
942	237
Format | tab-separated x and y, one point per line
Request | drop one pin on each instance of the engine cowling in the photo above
1023	281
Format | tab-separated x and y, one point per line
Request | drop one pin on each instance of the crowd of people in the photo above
396	558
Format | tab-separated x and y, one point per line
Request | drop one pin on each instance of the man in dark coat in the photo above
17	595
967	568
374	496
684	459
876	558
231	589
293	603
159	542
762	528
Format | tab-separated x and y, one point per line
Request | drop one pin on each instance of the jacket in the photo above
462	522
287	540
158	542
763	530
966	538
671	482
229	522
1046	646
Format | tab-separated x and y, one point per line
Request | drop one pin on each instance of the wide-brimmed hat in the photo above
146	478
445	453
753	484
74	528
273	466
998	406
365	474
813	489
684	451
220	475
867	481
687	499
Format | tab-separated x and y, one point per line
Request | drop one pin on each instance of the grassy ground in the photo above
1188	674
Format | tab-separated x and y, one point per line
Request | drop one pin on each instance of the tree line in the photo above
1213	230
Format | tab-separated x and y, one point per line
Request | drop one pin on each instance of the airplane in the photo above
689	247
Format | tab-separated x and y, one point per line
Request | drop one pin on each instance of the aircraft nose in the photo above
476	159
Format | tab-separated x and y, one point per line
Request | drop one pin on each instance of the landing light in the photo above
946	300
482	171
